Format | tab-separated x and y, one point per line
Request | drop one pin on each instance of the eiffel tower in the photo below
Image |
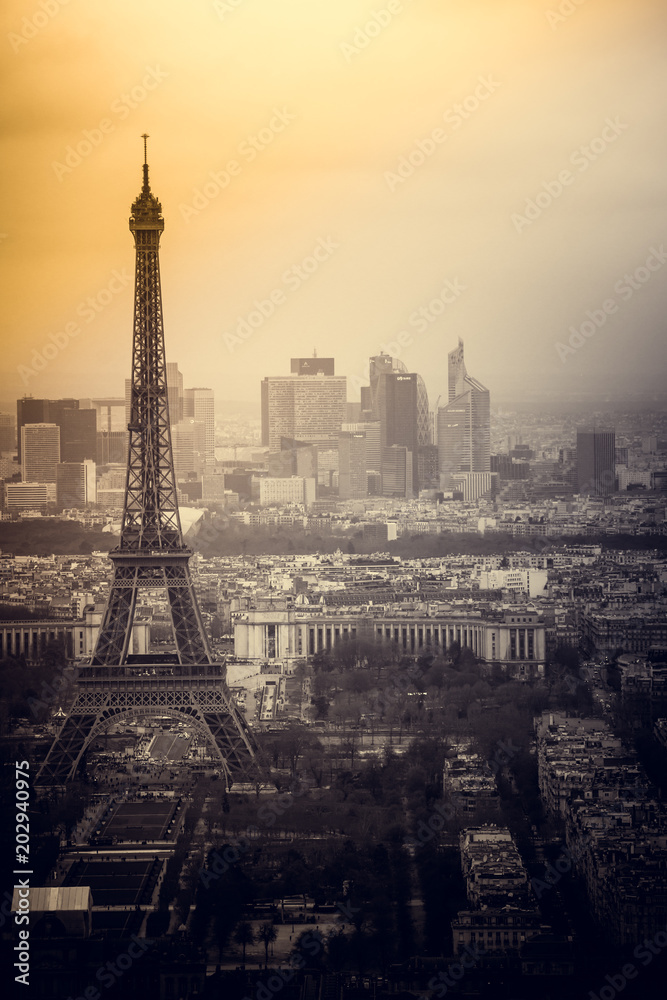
117	685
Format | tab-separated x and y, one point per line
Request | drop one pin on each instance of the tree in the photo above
316	761
346	653
348	748
308	950
321	704
337	949
454	651
294	741
567	656
54	655
182	904
244	935
190	873
267	934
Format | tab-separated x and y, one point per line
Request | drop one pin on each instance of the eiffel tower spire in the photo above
151	555
150	515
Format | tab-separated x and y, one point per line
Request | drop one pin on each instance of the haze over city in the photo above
333	500
408	142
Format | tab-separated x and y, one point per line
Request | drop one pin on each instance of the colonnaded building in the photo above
77	636
514	638
280	637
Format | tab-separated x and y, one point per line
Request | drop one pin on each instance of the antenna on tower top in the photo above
145	137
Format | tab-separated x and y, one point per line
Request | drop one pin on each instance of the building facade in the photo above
29	496
199	405
76	483
596	462
502	913
29	639
306	408
398	399
77	426
40	452
516	641
359	459
464	424
296	489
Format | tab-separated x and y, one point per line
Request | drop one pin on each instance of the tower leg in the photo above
113	642
196	701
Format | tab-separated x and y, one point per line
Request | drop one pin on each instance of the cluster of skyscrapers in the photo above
57	444
385	444
73	452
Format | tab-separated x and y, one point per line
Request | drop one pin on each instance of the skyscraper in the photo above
199	405
111	447
596	462
40	452
360	459
78	427
76	483
308	408
456	371
464	424
78	432
30	411
397	471
7	432
188	439
294	459
398	399
174	392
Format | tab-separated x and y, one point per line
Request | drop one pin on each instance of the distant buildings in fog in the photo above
389	444
464	432
384	446
64	445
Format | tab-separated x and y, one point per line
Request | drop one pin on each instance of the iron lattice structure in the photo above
117	684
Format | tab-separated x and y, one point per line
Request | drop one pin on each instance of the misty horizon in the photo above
335	203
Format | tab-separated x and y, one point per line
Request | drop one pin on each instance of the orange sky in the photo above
482	104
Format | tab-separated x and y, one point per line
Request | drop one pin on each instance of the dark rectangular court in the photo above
138	821
169	746
116	883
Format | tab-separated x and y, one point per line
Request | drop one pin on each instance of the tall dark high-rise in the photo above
78	427
596	462
78	433
118	683
398	399
30	411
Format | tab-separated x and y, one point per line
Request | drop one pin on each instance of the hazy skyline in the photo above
374	165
